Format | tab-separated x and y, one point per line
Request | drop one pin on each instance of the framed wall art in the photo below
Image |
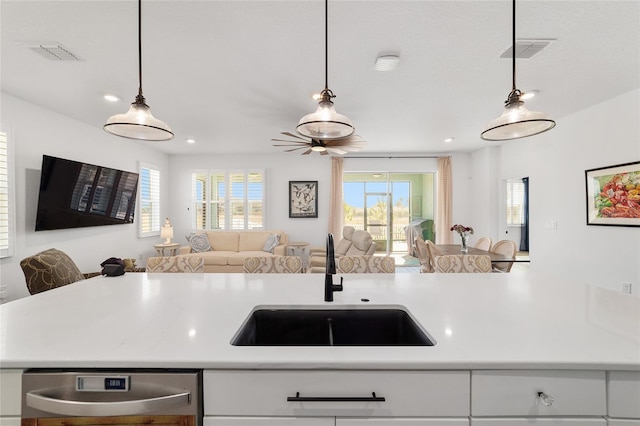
613	195
303	198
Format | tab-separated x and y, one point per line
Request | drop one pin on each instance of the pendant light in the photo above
138	122
325	122
516	121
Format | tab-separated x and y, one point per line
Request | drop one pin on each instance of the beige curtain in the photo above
444	205
335	207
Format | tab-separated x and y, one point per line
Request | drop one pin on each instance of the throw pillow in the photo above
271	243
198	242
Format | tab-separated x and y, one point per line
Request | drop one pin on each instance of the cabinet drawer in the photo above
541	422
406	393
624	394
515	393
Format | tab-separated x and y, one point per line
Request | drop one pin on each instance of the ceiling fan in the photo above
338	146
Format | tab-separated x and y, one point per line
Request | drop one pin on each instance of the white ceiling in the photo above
233	74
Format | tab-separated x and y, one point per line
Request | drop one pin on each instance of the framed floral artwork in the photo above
613	195
303	198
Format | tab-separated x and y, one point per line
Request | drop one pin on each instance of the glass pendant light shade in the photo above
138	123
325	123
517	122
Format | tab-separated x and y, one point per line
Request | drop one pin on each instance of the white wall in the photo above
37	131
603	135
279	170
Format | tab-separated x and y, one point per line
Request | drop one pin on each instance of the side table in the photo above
299	248
171	248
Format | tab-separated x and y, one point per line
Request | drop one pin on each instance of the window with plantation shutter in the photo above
227	199
514	202
7	208
149	190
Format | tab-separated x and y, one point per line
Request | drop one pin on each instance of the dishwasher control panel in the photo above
103	383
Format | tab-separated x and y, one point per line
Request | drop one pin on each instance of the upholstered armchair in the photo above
353	243
50	269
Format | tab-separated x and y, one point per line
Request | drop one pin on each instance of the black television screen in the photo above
75	195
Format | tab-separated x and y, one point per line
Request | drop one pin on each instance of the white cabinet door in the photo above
268	421
10	396
380	421
624	394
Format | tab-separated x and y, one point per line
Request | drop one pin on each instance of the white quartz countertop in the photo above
479	321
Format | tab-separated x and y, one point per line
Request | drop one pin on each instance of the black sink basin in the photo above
331	327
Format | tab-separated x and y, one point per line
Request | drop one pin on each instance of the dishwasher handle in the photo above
37	400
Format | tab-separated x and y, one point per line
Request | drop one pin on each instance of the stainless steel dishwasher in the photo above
112	397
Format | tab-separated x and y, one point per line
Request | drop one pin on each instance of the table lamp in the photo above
167	231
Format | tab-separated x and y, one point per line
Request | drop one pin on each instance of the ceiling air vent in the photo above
526	49
53	51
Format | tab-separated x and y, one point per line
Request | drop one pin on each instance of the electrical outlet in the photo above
626	287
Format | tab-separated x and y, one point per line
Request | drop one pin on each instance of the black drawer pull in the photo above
372	398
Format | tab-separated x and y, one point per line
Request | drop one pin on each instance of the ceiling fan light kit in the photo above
325	123
516	120
138	123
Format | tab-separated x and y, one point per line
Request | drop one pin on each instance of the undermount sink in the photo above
267	326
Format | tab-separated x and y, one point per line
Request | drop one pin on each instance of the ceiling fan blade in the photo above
293	149
293	135
336	151
284	140
324	153
309	151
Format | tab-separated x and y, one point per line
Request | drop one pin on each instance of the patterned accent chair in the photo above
175	264
272	264
472	263
50	269
365	265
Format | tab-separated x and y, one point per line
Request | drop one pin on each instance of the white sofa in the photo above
230	248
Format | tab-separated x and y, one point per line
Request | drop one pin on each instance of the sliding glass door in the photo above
384	204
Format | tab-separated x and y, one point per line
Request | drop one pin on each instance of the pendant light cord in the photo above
326	44
513	49
140	47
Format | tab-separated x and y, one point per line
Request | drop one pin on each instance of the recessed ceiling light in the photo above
528	95
387	62
191	140
448	140
111	98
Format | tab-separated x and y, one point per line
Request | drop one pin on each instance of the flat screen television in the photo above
75	195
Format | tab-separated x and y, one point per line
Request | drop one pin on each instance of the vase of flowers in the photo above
464	232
